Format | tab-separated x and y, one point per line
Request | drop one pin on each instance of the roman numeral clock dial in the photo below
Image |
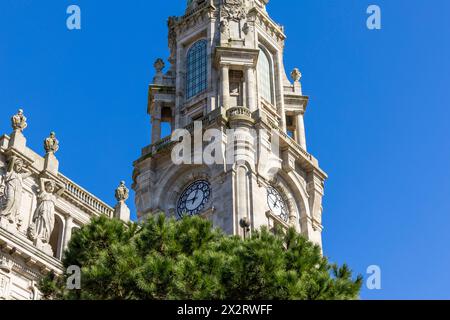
194	199
277	204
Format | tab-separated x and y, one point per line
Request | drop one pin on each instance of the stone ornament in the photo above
159	65
4	286
246	28
296	75
225	28
233	10
122	192
5	264
11	191
19	121
43	220
51	144
172	39
2	190
121	210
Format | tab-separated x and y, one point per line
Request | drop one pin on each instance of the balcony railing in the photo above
232	112
239	111
86	198
295	145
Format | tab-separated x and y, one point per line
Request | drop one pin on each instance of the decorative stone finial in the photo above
19	121
159	65
51	144
296	75
122	192
121	210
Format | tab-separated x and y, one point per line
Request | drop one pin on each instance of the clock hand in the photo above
195	197
190	197
273	202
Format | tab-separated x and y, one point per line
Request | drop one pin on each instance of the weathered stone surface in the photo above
39	209
238	33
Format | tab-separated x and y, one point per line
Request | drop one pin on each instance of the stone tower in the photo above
226	76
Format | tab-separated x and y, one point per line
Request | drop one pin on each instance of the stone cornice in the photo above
155	89
262	19
295	102
215	117
191	18
18	245
308	162
74	193
236	56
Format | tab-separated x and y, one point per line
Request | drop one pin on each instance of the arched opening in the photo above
57	237
166	122
196	69
265	76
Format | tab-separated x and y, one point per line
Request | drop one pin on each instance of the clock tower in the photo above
225	85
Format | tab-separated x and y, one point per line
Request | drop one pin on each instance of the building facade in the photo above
226	83
40	209
224	106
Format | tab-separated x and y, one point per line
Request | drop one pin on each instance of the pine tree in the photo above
188	259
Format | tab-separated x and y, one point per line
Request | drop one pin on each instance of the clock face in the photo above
276	204
194	199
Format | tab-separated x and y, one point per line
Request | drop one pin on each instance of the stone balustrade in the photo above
86	198
239	112
167	141
295	145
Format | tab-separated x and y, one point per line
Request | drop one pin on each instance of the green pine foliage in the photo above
188	259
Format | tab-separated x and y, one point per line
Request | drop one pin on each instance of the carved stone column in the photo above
156	129
156	123
280	95
250	86
316	191
300	131
68	231
225	86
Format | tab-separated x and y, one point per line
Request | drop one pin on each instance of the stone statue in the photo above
51	144
43	221
225	29
121	210
19	121
296	75
12	187
122	192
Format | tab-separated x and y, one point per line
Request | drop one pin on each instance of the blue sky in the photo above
377	118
